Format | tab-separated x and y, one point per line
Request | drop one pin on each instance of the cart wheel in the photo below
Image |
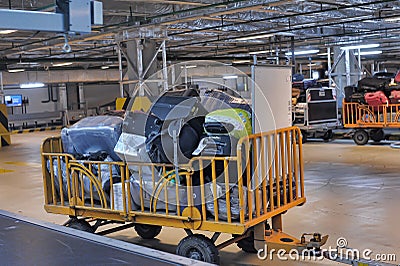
304	136
247	244
147	231
377	134
328	135
361	137
81	225
198	247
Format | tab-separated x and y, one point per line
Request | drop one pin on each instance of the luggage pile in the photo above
375	91
180	125
300	86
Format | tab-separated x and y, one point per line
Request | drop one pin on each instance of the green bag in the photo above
236	121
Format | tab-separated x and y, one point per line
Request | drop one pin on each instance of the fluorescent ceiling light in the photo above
368	52
31	85
321	54
28	64
240	61
392	19
303	52
361	46
15	70
190	66
62	64
255	37
312	64
230	77
7	31
261	52
105	67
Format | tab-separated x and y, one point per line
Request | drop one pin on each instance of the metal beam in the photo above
31	20
64	76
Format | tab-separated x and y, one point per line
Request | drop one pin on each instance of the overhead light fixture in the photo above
62	64
322	54
368	52
105	67
361	46
7	31
261	52
16	70
240	61
189	66
31	85
230	77
392	19
254	37
303	52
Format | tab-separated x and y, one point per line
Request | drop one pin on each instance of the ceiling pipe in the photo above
96	36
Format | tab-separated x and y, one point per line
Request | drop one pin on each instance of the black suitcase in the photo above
141	124
220	145
357	98
348	92
171	108
371	84
217	99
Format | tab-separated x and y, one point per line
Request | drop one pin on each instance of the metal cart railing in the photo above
369	121
263	181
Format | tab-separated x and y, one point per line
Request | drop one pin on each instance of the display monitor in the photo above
13	100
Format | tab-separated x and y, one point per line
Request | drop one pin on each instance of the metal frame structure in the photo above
135	58
322	126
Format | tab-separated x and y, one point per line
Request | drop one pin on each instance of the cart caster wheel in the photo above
361	137
328	135
304	136
247	244
81	225
198	247
147	231
377	135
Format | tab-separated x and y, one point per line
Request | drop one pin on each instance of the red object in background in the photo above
397	77
394	97
376	99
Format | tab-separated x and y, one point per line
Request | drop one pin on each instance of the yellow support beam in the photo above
141	103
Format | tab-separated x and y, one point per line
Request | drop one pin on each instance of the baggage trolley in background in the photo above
369	121
247	200
318	116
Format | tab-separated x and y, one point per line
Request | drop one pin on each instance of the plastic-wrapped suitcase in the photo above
376	99
93	134
297	77
235	122
394	97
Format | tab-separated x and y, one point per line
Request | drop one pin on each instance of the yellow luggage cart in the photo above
369	121
263	181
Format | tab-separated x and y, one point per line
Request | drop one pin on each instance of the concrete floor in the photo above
352	192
